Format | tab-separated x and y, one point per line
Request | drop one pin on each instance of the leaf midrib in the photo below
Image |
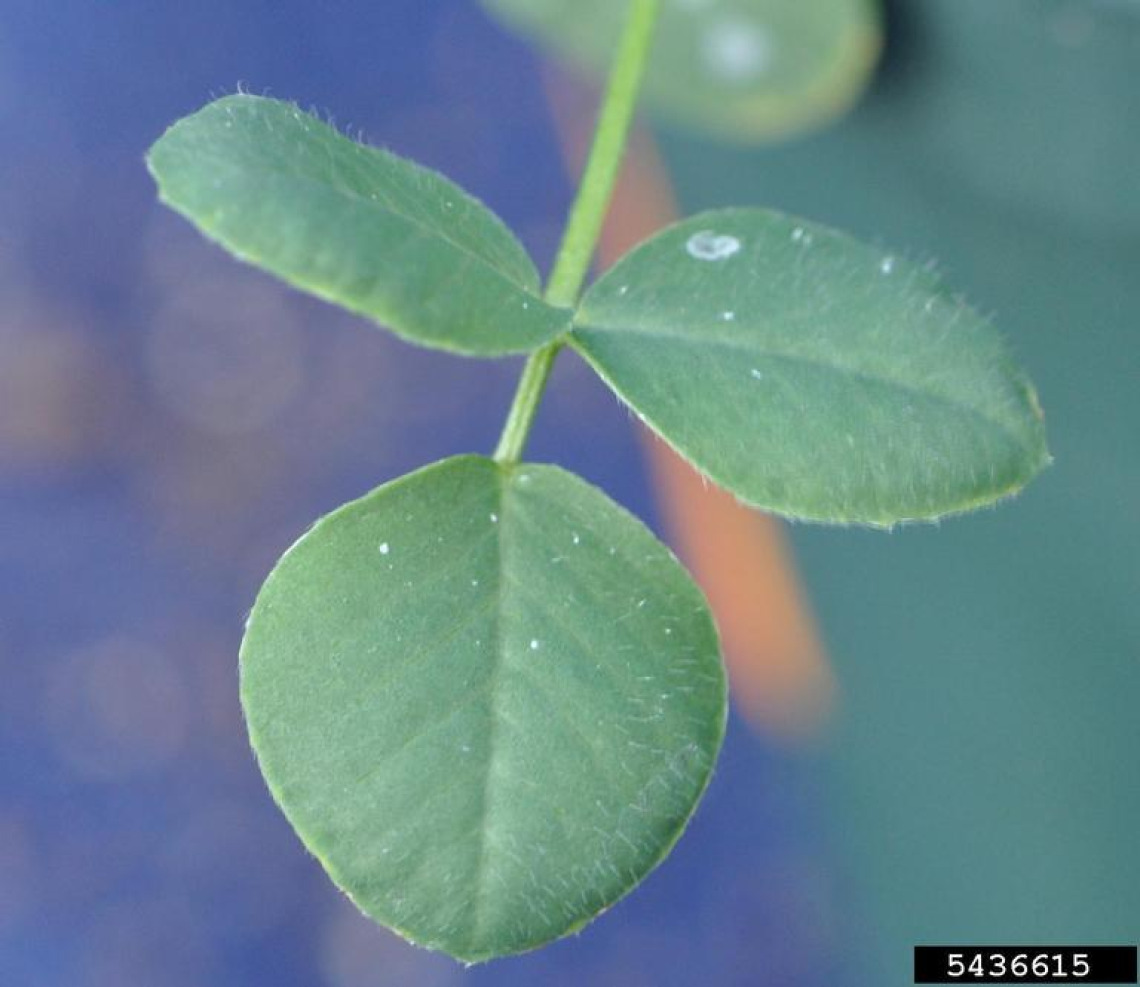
501	479
579	338
358	199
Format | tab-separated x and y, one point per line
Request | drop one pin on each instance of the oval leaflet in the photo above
410	709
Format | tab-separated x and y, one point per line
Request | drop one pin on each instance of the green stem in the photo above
587	215
527	397
604	163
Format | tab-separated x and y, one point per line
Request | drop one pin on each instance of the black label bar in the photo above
1025	964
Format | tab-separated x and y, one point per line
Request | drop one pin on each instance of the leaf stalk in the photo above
587	215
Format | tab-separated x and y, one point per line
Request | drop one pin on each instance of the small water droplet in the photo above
494	518
474	582
623	290
534	644
888	265
756	374
728	316
576	538
385	548
709	245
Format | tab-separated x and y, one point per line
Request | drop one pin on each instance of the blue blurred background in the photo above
170	421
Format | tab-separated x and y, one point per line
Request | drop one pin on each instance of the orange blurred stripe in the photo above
780	676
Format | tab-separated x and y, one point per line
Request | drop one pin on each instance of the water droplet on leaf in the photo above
712	246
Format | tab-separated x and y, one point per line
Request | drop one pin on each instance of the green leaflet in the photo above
487	699
354	225
738	69
812	375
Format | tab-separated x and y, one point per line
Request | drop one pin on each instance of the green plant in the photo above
485	696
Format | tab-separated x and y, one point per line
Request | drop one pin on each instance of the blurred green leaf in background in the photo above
738	70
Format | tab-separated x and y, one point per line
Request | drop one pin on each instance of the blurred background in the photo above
171	420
